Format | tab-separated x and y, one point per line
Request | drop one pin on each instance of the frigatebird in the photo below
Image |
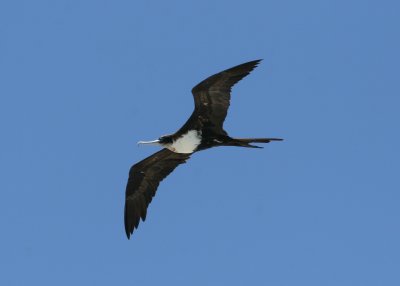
203	130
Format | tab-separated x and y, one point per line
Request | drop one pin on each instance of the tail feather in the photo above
245	142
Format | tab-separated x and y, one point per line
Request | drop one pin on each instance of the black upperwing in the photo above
144	178
212	98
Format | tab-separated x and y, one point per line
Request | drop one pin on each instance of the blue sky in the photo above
83	81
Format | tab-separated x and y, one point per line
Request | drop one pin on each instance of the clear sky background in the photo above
82	81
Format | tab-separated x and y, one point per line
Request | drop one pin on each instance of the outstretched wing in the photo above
212	97
144	178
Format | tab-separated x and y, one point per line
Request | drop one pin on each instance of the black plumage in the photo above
212	99
144	178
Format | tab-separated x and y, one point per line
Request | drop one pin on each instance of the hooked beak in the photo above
154	142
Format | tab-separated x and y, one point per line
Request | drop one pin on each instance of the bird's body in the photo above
203	130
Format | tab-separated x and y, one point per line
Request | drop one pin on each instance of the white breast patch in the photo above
187	143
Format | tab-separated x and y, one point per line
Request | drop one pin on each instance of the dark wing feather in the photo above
212	97
144	178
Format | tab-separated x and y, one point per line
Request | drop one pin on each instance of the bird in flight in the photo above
203	130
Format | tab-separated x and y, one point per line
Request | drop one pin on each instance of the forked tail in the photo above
245	142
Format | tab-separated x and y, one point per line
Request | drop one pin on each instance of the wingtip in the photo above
256	62
252	64
129	228
128	231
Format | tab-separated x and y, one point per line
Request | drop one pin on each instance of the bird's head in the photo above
165	139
